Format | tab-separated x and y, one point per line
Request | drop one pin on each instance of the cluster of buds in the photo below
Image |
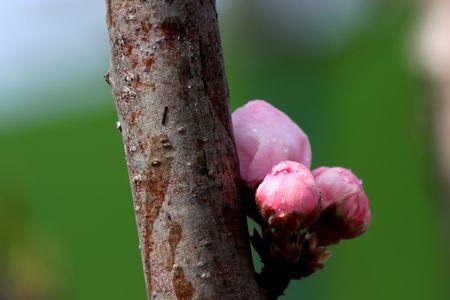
300	211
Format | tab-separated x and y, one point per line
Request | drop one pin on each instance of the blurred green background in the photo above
342	70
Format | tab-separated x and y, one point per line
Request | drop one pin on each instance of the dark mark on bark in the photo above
148	63
204	168
174	238
164	118
183	287
184	72
201	159
128	46
172	28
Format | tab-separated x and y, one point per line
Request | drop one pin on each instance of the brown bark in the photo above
171	96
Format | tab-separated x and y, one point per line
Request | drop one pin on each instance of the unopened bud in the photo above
345	206
265	136
288	196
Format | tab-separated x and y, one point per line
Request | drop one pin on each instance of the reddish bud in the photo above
288	197
345	206
265	136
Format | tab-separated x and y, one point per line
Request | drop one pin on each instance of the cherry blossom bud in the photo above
287	197
345	206
265	136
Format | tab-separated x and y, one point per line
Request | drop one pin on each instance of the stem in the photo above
171	96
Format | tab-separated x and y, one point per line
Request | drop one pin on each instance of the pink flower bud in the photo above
345	206
265	136
288	197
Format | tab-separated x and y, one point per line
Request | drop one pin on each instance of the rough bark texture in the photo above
171	96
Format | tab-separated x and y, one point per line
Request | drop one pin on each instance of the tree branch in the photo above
171	96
